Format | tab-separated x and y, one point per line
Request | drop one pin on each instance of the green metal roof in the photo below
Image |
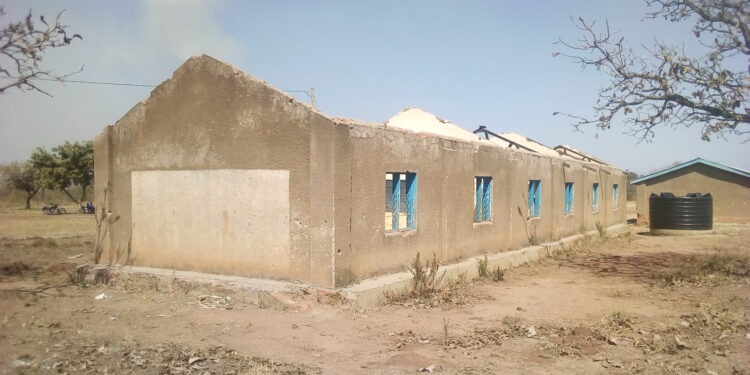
709	163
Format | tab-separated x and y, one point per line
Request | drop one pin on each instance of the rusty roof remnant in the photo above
578	155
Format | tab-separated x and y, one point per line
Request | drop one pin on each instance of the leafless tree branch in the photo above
665	87
22	47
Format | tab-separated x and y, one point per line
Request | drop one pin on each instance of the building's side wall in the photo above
210	117
619	211
445	199
730	191
102	190
170	177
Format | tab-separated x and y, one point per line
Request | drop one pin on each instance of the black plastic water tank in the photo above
694	211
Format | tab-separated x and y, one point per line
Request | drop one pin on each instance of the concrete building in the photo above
221	173
729	187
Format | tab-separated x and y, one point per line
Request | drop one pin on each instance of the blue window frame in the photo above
569	197
535	198
400	200
615	195
595	197
483	199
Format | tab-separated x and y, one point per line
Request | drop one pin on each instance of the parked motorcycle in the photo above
53	210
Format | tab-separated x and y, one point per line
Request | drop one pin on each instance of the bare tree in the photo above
22	46
665	87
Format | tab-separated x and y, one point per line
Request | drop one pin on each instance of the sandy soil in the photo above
639	304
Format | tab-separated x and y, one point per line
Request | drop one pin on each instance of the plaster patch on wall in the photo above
246	120
232	221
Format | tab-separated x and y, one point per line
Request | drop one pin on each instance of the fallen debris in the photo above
430	368
90	357
214	302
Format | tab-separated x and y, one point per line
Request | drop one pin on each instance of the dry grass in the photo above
574	250
424	276
20	224
716	265
588	244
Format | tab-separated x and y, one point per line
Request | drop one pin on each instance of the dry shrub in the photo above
428	291
533	239
497	275
601	229
618	320
484	273
103	276
78	275
424	276
483	268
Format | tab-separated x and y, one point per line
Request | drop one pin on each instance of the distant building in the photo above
219	172
729	187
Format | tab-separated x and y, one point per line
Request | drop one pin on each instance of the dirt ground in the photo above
22	224
636	304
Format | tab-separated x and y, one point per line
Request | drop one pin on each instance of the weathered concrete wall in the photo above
445	171
730	191
210	116
102	189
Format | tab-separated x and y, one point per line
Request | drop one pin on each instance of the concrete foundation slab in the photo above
678	232
372	292
363	295
255	291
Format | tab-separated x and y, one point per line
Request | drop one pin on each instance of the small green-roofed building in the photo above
729	186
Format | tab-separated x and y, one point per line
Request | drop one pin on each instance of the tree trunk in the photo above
83	193
29	194
70	196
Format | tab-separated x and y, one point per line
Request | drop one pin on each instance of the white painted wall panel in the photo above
224	221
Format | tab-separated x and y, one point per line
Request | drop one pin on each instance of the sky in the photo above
471	62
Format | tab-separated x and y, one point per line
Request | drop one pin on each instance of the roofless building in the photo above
219	172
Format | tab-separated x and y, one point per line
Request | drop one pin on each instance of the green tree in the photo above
22	176
67	166
75	163
662	85
45	168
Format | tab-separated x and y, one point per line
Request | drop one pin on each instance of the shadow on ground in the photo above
652	267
